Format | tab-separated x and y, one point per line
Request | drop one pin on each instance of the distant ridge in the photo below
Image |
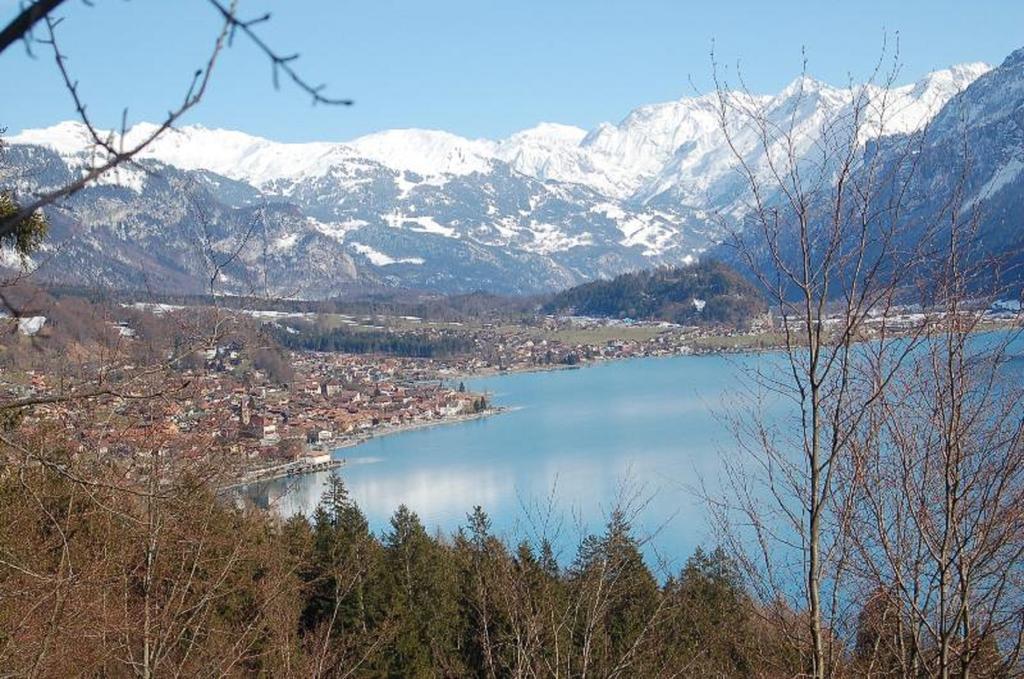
545	209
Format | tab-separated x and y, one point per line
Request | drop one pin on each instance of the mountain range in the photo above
543	209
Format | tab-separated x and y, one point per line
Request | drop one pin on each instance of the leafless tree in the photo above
821	233
112	150
940	477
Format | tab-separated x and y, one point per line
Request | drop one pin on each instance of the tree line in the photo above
182	582
346	340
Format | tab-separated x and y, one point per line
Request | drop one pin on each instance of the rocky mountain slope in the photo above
544	209
972	163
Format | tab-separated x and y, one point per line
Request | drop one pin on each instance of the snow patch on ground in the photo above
609	210
131	178
337	230
507	229
380	259
156	307
29	325
654	237
405	186
10	259
422	224
548	238
286	242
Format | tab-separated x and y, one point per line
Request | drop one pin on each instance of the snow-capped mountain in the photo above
972	160
547	207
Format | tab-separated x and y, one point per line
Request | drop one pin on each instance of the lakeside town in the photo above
265	421
292	415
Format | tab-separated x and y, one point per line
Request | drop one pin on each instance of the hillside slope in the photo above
708	292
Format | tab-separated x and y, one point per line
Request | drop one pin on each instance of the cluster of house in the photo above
337	399
330	399
334	400
340	399
508	348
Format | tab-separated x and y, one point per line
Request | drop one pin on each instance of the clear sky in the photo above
479	68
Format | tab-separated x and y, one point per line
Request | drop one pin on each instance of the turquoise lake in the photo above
574	443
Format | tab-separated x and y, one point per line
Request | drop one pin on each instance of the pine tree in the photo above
26	235
619	594
482	561
344	565
421	599
709	627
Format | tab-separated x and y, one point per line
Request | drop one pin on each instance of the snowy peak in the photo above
547	207
913	106
956	77
675	147
430	153
235	154
549	133
806	85
230	153
67	138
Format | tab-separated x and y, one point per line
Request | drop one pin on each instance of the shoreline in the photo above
492	410
697	349
499	409
339	462
696	352
283	471
351	443
293	470
415	426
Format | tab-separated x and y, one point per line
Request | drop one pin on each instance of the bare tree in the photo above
822	234
938	519
112	150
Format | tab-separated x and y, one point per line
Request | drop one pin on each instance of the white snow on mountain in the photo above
68	138
675	146
543	151
547	206
380	259
913	106
549	238
421	224
429	153
702	170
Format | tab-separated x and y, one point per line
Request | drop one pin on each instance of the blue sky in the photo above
476	67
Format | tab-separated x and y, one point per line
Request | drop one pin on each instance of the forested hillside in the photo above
705	292
197	587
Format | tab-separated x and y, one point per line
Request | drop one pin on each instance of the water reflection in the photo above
576	443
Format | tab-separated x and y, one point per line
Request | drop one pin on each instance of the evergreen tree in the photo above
344	566
25	236
485	624
709	626
620	595
421	593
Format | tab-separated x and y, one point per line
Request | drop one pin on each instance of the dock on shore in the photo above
287	469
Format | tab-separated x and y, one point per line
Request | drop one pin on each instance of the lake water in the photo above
574	443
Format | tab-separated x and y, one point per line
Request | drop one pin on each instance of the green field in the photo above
600	335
